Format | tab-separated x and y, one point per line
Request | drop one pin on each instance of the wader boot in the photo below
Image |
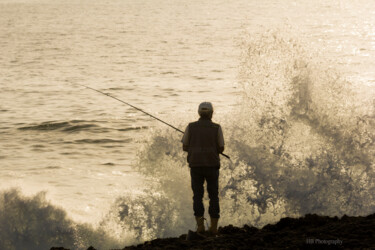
213	227
200	224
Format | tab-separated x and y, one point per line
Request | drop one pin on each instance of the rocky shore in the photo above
308	232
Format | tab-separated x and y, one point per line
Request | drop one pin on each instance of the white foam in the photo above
301	142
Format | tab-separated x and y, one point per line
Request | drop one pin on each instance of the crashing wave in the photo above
301	142
33	223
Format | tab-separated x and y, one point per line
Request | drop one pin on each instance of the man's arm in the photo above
220	138
185	140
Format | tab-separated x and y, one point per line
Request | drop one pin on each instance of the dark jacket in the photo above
203	146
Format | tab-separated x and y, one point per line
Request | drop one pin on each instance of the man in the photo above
204	141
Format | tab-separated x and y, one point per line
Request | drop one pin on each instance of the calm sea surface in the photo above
162	56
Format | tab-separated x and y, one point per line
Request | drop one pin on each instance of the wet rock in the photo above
309	232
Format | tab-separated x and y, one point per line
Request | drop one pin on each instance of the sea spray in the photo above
301	141
308	130
32	223
311	122
163	208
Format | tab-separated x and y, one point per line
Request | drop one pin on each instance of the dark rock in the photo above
311	231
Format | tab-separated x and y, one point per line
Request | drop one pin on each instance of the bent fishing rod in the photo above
179	130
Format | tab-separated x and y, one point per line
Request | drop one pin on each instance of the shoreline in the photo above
308	232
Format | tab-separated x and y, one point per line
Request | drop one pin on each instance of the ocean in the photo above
292	84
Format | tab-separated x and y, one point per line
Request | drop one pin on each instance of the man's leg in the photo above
212	178
197	180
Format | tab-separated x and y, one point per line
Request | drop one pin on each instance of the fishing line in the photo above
179	130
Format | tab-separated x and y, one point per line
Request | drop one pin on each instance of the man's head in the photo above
205	110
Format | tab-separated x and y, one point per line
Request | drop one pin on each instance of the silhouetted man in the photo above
204	141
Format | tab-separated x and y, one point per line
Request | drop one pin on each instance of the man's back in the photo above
203	141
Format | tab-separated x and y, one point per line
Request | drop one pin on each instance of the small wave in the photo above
70	126
199	77
115	88
133	128
52	167
108	164
46	126
79	127
100	141
168	73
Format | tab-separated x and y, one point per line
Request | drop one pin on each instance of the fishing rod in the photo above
179	130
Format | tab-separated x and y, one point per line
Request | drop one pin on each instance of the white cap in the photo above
205	107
